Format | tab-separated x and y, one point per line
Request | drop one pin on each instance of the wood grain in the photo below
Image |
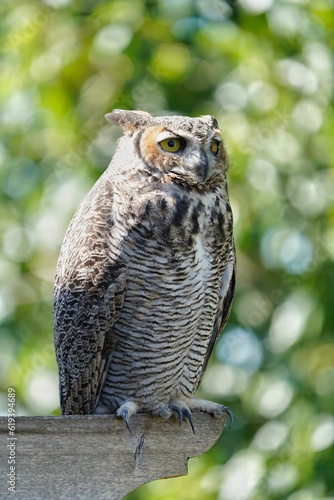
95	456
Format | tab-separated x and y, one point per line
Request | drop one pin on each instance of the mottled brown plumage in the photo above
145	277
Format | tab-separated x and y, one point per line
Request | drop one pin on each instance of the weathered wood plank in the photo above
95	456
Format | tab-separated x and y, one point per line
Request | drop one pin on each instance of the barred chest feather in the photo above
177	249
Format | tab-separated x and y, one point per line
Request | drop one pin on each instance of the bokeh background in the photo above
264	68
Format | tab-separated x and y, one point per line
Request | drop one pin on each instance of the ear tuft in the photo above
129	121
210	120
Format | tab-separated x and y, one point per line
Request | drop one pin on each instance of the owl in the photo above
146	273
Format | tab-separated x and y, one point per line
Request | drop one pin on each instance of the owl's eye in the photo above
215	145
172	145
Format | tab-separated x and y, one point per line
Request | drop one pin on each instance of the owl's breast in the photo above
176	259
178	246
178	218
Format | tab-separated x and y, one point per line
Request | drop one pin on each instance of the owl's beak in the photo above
205	168
195	169
201	167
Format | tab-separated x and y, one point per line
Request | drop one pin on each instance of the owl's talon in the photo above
124	414
183	412
215	409
225	409
178	411
126	410
187	414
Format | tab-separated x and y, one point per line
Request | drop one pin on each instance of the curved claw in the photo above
225	409
183	412
186	413
125	416
126	410
178	411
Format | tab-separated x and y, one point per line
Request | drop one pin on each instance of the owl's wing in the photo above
89	293
223	312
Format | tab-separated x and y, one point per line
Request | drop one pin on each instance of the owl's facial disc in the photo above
180	153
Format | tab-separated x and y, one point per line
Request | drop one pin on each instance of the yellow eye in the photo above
172	145
215	147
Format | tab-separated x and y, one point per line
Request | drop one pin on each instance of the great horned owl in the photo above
146	273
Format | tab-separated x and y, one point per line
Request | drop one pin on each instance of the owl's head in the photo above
186	149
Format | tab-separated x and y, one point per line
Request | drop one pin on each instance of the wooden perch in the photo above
95	456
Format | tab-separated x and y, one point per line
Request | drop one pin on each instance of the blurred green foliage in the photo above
264	68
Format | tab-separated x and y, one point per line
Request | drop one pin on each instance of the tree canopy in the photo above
264	69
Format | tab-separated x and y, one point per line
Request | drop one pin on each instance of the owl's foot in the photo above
126	410
165	411
129	408
215	409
